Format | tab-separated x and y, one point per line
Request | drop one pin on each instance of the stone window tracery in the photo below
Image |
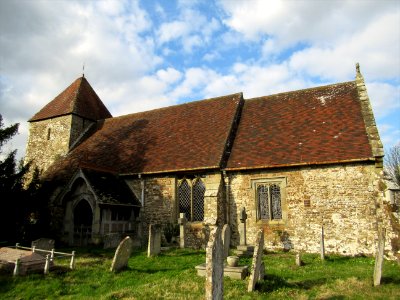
269	195
191	199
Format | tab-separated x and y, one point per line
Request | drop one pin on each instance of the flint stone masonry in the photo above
122	255
160	206
52	138
344	197
214	266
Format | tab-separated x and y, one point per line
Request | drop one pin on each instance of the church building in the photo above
295	161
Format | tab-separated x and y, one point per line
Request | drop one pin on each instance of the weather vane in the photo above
83	70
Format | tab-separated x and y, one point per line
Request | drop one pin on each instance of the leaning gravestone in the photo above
122	255
214	266
226	239
257	263
154	247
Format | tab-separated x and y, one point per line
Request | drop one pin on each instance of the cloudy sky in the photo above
140	55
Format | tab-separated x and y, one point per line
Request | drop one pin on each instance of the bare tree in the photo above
392	164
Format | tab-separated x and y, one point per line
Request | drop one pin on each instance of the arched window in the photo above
191	199
184	196
198	201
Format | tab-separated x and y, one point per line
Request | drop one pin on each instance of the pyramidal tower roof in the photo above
79	99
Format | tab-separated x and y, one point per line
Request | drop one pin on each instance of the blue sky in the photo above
141	55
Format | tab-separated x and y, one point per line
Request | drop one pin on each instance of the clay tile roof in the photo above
317	125
109	188
79	98
183	137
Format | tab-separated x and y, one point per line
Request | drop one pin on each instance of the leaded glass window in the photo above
198	201
184	196
191	199
269	201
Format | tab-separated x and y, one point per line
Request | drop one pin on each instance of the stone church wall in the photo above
51	138
161	207
346	198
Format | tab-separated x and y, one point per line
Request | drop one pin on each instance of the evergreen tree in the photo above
12	193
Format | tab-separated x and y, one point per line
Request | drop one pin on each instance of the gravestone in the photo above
43	244
242	227
182	230
379	256
214	266
243	249
226	239
322	243
299	262
154	246
257	263
122	255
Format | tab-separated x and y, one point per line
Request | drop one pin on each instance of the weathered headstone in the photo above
182	230
154	246
214	266
299	263
226	239
242	227
122	255
243	249
379	256
322	243
43	244
257	261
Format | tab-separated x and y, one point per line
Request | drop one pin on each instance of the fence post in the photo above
47	265
16	245
33	249
17	267
52	255
72	264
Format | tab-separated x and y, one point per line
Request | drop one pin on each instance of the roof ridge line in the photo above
176	105
301	90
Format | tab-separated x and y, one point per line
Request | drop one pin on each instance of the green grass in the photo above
172	276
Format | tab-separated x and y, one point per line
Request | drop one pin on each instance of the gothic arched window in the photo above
191	199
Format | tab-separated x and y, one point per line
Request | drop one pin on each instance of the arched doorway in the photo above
83	220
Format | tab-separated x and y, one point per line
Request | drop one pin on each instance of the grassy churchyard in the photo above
172	275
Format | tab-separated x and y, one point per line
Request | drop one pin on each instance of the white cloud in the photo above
190	28
385	98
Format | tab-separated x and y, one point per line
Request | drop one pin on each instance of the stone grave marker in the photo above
299	262
226	239
243	249
154	246
242	227
182	230
257	262
43	244
379	256
322	243
122	255
214	266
